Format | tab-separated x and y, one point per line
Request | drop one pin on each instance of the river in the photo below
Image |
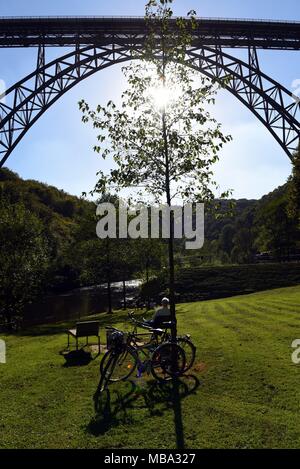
75	304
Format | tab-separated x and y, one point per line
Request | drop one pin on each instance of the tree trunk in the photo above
109	295
108	281
8	319
124	294
171	237
172	282
147	283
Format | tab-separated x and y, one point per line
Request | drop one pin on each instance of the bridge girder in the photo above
28	99
101	31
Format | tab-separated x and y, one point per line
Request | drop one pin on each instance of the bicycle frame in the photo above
132	342
164	336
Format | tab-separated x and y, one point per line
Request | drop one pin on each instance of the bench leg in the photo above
76	343
99	348
68	340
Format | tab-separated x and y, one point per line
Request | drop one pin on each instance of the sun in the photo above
161	96
164	96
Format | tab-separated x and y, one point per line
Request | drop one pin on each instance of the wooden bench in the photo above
84	329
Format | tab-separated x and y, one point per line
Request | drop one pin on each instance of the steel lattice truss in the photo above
27	100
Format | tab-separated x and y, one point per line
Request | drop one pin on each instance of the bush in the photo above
154	289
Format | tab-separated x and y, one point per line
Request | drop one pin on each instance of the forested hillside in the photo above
256	226
48	241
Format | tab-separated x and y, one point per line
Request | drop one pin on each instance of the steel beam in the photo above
71	31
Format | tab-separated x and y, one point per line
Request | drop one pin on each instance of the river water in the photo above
75	304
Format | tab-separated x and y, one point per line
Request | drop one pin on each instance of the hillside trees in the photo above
293	206
24	259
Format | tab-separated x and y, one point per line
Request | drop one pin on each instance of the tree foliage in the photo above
293	207
162	139
23	256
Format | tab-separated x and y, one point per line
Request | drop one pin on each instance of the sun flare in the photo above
163	96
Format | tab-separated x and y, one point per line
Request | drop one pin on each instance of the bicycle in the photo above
162	334
164	361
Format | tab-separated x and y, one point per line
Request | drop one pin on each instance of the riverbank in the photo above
77	303
192	284
243	391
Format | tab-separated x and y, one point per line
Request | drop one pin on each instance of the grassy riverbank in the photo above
242	392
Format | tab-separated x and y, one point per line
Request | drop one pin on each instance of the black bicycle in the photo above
162	334
165	361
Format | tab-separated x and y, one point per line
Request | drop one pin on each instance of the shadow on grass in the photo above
77	358
114	408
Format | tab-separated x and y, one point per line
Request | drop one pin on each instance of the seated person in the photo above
161	315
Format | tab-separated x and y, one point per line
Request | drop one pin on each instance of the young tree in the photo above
163	141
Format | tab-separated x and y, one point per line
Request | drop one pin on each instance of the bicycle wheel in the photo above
167	362
107	371
189	350
125	364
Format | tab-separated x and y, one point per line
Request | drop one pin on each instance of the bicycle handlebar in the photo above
132	319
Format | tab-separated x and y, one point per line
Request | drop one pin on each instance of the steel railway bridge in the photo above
95	43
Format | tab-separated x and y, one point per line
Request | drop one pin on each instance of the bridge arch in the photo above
28	99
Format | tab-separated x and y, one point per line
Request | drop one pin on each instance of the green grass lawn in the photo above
242	393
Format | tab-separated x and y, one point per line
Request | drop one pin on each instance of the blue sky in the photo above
58	148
